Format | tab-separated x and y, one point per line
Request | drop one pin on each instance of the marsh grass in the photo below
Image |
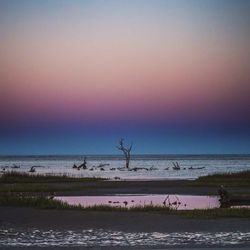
21	177
26	182
22	200
43	202
42	187
240	179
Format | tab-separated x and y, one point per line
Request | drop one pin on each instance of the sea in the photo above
111	167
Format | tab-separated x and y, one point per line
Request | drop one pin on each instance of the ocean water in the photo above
160	166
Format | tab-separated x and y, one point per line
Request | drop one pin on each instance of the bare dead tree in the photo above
126	151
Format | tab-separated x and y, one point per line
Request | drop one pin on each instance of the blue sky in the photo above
170	76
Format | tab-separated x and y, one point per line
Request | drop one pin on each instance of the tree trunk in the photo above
127	162
126	152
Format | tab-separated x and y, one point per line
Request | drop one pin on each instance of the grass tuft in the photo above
21	177
239	179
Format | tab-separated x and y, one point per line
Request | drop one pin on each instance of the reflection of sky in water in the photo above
35	237
180	201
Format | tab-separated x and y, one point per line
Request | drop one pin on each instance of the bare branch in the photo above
126	151
129	149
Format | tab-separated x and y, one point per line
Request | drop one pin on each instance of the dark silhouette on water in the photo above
192	168
126	152
32	169
74	166
84	164
176	166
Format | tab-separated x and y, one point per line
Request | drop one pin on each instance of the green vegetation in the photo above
44	202
19	177
20	200
42	187
26	182
240	179
25	189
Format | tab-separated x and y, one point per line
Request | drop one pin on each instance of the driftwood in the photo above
101	165
192	168
122	169
84	164
152	168
176	166
15	166
74	166
136	169
32	169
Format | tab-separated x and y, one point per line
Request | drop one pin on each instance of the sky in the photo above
170	76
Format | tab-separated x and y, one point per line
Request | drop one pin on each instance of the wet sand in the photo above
22	219
143	187
121	221
139	187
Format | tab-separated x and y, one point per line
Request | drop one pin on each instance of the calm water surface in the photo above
161	165
181	202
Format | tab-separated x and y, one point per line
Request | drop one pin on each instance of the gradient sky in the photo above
172	76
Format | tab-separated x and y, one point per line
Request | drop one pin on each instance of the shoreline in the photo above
26	220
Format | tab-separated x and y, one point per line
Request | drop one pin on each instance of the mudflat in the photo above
46	219
144	187
141	226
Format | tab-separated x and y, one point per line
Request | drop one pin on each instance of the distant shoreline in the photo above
133	157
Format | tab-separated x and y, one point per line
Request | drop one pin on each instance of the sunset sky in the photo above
172	76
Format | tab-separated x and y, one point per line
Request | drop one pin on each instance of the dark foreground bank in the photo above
106	230
127	222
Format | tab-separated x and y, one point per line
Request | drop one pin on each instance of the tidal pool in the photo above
180	202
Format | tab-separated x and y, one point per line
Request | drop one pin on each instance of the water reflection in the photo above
40	238
180	202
